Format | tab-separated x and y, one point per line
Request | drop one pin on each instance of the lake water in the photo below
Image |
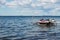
23	28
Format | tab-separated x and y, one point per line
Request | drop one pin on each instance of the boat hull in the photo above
46	24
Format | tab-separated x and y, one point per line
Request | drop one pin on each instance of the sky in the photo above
29	7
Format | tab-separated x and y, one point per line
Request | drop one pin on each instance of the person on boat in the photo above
47	19
52	20
48	24
41	19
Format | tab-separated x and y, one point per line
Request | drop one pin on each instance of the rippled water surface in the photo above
23	28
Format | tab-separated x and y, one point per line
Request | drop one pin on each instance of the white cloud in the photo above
39	12
23	2
16	3
43	3
2	1
33	5
26	1
46	4
55	11
11	4
32	12
53	1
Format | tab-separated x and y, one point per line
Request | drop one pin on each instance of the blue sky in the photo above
29	7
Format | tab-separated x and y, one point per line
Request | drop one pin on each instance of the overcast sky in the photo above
29	7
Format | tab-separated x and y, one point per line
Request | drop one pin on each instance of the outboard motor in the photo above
52	22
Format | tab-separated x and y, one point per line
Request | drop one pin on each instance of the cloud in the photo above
16	3
44	6
44	3
53	1
11	4
33	5
23	2
30	12
55	11
39	12
2	1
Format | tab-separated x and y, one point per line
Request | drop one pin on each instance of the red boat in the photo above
43	22
46	23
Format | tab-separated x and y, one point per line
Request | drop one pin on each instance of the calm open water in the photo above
23	28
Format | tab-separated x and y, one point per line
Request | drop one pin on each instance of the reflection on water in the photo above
23	28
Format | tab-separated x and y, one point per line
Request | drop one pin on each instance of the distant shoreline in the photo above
31	16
